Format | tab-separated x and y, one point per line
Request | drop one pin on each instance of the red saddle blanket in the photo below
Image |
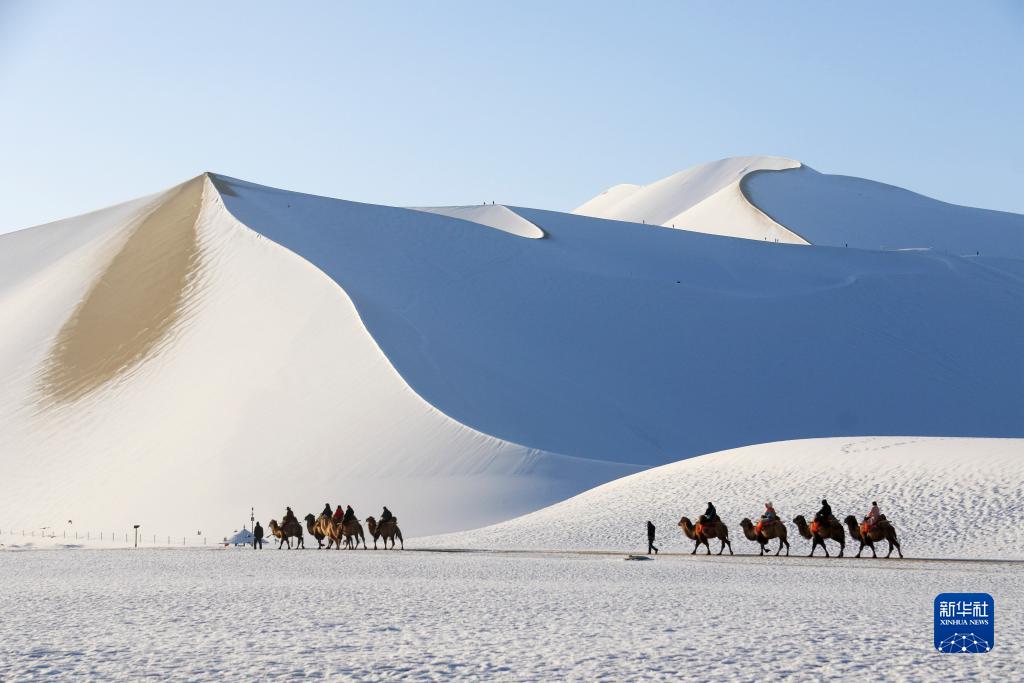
817	528
761	524
698	530
865	527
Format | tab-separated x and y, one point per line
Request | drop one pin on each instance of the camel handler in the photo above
650	538
257	537
874	516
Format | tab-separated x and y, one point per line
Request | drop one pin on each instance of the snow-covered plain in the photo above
239	614
961	498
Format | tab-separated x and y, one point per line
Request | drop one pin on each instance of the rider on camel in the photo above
339	514
386	515
874	517
289	517
326	511
710	515
349	515
824	515
769	514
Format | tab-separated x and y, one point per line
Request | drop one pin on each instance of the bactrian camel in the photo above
702	532
291	529
832	531
388	529
769	530
883	530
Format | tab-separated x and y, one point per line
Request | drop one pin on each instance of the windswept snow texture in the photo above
946	497
626	343
840	210
242	615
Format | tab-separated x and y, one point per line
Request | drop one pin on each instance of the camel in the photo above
702	532
284	534
769	531
834	532
353	533
388	529
313	531
326	527
883	530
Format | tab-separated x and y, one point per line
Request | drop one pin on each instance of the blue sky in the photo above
529	103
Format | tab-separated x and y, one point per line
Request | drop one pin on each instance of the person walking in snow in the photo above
257	537
650	538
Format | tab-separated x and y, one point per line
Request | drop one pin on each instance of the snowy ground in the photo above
234	614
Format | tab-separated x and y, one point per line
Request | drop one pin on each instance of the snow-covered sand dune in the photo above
705	198
947	498
839	210
775	199
224	344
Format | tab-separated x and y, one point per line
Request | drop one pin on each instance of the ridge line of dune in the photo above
741	185
529	451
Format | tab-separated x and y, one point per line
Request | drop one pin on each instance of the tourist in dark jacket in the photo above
650	538
824	515
710	515
257	536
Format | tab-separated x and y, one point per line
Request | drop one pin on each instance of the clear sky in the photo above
539	104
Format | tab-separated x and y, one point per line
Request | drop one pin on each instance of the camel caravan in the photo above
825	527
338	527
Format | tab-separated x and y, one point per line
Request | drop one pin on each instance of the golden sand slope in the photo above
134	305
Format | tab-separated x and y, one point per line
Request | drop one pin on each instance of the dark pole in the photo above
136	535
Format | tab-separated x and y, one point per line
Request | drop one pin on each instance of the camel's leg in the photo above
824	546
707	546
894	542
814	546
780	547
722	542
729	543
871	544
696	544
399	534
